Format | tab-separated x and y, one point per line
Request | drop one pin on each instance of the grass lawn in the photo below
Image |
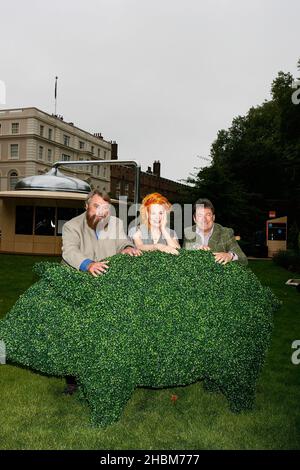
36	415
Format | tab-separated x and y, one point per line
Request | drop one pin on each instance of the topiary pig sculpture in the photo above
152	321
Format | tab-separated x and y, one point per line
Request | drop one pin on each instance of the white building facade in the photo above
32	140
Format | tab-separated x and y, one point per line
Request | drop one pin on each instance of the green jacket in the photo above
222	239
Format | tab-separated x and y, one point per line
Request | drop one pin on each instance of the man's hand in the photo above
222	257
129	250
98	267
203	247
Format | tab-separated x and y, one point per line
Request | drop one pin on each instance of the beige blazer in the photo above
79	241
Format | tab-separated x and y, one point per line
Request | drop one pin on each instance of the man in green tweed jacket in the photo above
207	235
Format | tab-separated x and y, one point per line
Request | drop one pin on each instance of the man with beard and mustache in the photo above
90	238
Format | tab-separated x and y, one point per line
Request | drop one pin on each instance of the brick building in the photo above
122	181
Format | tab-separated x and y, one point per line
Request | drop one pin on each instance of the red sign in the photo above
272	214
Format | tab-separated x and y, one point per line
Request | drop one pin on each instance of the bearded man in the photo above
90	238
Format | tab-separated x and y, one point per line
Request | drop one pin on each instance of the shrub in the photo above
153	321
288	259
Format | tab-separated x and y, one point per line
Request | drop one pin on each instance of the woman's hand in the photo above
167	249
163	222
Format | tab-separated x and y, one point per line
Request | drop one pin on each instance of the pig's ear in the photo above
63	281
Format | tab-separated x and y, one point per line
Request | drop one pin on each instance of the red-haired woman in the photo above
153	234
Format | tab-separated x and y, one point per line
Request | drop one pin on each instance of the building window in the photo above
104	154
50	133
66	140
118	189
81	144
78	167
104	172
65	158
42	131
98	170
14	151
44	221
99	153
49	155
24	220
12	180
41	152
64	214
92	149
15	128
0	129
126	189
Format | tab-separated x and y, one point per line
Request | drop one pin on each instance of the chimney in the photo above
98	135
156	168
149	170
114	150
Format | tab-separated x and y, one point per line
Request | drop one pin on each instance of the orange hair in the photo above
148	201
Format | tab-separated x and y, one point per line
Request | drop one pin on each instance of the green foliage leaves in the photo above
156	320
255	164
289	259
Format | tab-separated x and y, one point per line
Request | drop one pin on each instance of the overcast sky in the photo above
160	77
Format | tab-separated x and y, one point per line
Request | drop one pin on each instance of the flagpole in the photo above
55	95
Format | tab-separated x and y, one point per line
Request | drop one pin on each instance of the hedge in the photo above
288	259
156	320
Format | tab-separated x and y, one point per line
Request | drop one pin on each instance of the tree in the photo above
256	163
